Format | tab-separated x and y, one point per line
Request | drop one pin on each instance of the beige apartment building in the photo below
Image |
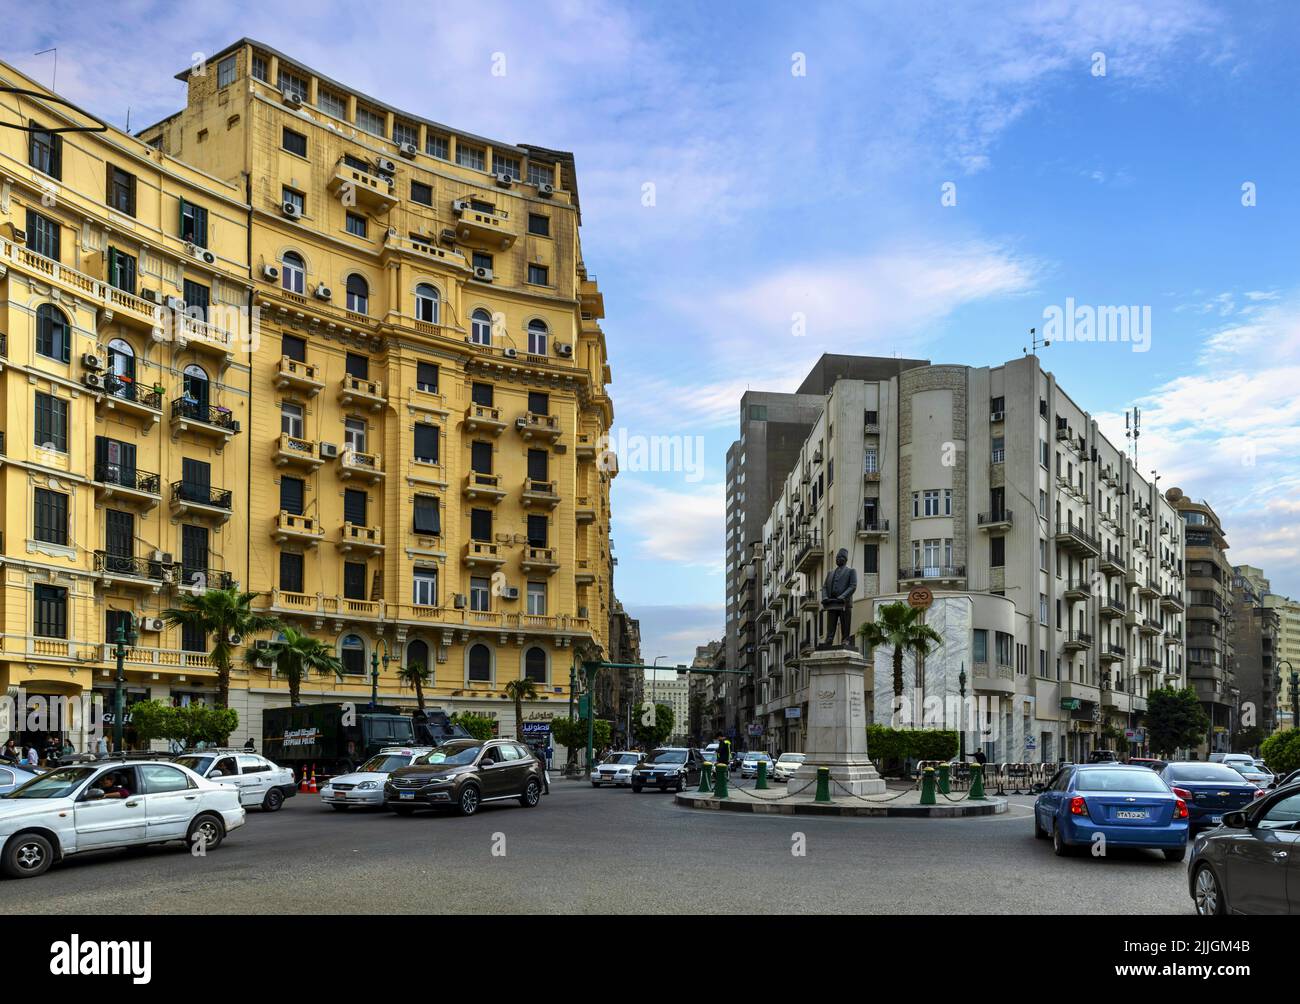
1056	568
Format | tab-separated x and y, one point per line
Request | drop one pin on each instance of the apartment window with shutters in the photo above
422	193
426	443
291	419
480	457
424	587
294	142
371	121
538	275
480	525
331	103
538	465
426	377
480	593
53	337
537	599
354	580
539	225
352	653
481	394
1042	608
292	493
226	72
357	225
437	146
291	577
470	156
481	259
294	347
120	190
50	517
50	607
871	559
293	198
539	402
354	435
997	552
197	299
537	530
50	430
121	271
355	502
45	151
42	235
427	518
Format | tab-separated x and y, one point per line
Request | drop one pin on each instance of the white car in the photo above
749	763
616	768
365	785
259	781
117	803
786	765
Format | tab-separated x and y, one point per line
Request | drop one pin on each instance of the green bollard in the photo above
762	775
927	787
823	785
977	783
945	786
706	780
720	782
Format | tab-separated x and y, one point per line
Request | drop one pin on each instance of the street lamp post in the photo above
374	671
126	636
961	714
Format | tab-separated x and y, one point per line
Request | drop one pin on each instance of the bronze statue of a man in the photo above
837	600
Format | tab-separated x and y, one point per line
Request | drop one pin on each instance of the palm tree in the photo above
296	655
899	626
523	689
415	675
223	613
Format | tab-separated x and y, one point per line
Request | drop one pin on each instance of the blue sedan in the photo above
1128	806
12	775
1210	790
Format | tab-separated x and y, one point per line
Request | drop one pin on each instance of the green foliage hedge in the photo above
1281	751
888	744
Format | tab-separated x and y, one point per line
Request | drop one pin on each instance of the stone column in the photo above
837	727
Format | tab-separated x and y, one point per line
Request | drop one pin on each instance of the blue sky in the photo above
776	192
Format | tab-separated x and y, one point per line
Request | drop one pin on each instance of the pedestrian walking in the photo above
32	758
249	745
11	752
546	774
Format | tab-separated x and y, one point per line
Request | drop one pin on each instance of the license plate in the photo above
340	794
1216	819
408	794
1122	814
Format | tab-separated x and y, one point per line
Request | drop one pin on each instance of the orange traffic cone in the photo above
312	789
302	785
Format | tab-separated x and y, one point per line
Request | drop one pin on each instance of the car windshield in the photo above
791	758
1246	768
668	756
1119	780
198	764
56	784
622	758
757	756
452	755
384	763
1203	772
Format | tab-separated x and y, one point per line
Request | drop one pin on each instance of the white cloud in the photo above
685	528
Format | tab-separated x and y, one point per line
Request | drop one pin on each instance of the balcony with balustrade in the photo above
290	526
538	559
127	486
368	467
304	377
199	501
484	418
131	572
129	397
481	486
205	421
362	539
535	426
291	451
357	392
539	494
483	554
1077	541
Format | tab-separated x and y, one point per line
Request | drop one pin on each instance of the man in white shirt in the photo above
32	758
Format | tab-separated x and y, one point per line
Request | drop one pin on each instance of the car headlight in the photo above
625	770
367	786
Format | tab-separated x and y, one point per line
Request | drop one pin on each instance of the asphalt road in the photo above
607	851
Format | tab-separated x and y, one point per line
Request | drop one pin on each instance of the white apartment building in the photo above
1056	568
666	687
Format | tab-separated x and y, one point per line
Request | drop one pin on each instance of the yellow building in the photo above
421	392
124	420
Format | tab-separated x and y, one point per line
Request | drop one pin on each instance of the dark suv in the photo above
464	773
670	767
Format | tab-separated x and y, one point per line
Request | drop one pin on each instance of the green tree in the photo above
197	723
571	733
1281	751
416	675
153	720
523	689
479	726
1175	719
297	655
899	627
223	614
661	727
1248	738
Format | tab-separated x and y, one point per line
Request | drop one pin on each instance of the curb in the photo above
992	807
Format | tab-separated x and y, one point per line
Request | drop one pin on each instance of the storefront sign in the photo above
537	730
920	598
794	712
1069	704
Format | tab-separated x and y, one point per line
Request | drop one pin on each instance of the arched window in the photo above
417	654
479	669
121	368
480	328
196	397
535	665
358	295
537	338
53	339
293	273
352	651
426	303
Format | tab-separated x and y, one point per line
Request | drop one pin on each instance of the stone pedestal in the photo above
837	727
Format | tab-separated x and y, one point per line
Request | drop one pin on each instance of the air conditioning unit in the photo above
202	254
385	166
520	422
163	557
510	353
271	273
545	190
505	180
510	593
323	292
291	210
998	416
409	150
16	233
448	236
152	295
460	206
92	361
235	638
175	303
151	624
95	381
291	99
482	273
458	601
328	451
564	350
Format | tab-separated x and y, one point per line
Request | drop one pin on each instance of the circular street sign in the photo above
920	598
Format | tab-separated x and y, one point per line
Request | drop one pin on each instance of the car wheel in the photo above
274	799
595	784
206	829
468	804
1206	893
1039	832
1059	846
401	810
636	788
1177	855
532	794
28	855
